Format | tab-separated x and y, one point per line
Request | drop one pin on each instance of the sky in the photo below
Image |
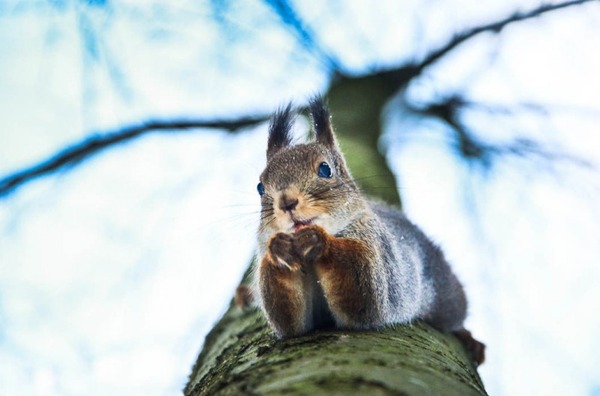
113	271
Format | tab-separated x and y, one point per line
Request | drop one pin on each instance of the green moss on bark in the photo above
241	356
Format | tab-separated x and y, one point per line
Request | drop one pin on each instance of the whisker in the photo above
371	177
232	206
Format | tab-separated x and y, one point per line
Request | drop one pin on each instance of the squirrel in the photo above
330	257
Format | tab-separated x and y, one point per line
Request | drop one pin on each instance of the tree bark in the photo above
242	357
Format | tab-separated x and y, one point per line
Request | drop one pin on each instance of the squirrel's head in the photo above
305	184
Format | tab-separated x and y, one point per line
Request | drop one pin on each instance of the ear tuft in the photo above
279	130
322	122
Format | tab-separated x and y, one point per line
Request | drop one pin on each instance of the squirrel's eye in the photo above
260	188
324	170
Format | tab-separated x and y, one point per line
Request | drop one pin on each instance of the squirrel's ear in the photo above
279	130
322	122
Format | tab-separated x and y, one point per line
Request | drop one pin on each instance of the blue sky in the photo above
113	271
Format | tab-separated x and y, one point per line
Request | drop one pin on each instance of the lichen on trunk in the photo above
242	357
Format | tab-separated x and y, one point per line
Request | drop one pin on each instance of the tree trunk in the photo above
241	355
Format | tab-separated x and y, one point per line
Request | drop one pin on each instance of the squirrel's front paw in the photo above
309	243
282	251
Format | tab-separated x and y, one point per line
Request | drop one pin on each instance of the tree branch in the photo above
289	17
399	77
84	149
471	148
497	26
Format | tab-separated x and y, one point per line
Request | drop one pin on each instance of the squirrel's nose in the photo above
287	204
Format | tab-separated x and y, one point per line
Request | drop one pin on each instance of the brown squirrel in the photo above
328	256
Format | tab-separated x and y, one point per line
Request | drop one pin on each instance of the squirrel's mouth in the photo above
300	224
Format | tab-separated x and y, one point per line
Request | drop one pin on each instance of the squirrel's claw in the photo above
282	253
309	243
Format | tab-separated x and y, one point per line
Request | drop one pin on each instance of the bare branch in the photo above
84	149
399	77
542	109
497	26
472	148
289	17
